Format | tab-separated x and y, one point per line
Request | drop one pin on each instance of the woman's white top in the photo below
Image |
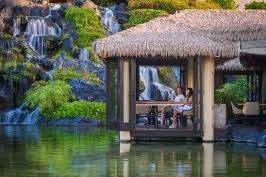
180	98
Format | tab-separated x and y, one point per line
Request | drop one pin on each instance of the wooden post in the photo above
208	99
125	100
190	77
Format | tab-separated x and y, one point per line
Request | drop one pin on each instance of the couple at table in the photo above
176	110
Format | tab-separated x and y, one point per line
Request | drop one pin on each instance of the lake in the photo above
30	151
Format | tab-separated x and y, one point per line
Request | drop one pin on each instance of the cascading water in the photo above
21	115
109	20
84	54
37	29
16	27
154	90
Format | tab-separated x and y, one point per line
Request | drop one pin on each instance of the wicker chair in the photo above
252	110
185	116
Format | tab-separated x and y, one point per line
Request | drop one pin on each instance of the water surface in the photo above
33	151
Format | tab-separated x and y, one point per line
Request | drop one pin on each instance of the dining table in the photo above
154	108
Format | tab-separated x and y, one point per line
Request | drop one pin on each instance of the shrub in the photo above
140	16
86	109
226	4
104	2
209	4
86	23
49	97
256	5
169	6
66	74
232	92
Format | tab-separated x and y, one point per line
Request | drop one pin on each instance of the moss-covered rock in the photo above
140	16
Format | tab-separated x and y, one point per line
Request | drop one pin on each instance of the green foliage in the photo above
209	4
86	23
92	110
14	66
167	76
170	6
256	5
66	74
232	92
49	97
140	16
104	2
226	4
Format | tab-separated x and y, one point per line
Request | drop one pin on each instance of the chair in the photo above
185	115
142	111
237	113
252	110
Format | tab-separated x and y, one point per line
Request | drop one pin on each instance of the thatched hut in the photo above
195	39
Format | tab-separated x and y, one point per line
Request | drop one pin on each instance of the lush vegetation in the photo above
256	5
93	110
56	100
66	74
86	23
226	4
49	97
209	4
140	16
169	6
232	92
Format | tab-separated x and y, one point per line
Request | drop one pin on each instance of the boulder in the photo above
245	134
121	12
84	90
83	66
262	139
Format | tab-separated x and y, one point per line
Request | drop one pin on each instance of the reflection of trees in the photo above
83	152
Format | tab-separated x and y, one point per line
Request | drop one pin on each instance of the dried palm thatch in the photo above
187	34
231	65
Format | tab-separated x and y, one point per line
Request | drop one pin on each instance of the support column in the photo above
190	77
125	94
208	99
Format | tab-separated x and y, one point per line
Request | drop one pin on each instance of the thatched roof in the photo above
231	65
187	34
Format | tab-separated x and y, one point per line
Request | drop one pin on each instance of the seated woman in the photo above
169	109
179	109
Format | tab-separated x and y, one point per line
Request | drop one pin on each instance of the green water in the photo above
34	151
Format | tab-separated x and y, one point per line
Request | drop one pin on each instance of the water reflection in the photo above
33	151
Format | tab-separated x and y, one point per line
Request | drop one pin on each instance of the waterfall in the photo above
16	27
37	29
6	44
109	20
22	116
84	54
154	90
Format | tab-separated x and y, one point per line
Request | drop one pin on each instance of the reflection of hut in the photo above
193	38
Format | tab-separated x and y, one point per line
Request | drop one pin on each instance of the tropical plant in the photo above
170	6
87	24
209	4
256	5
232	92
49	97
140	16
226	4
66	74
84	109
